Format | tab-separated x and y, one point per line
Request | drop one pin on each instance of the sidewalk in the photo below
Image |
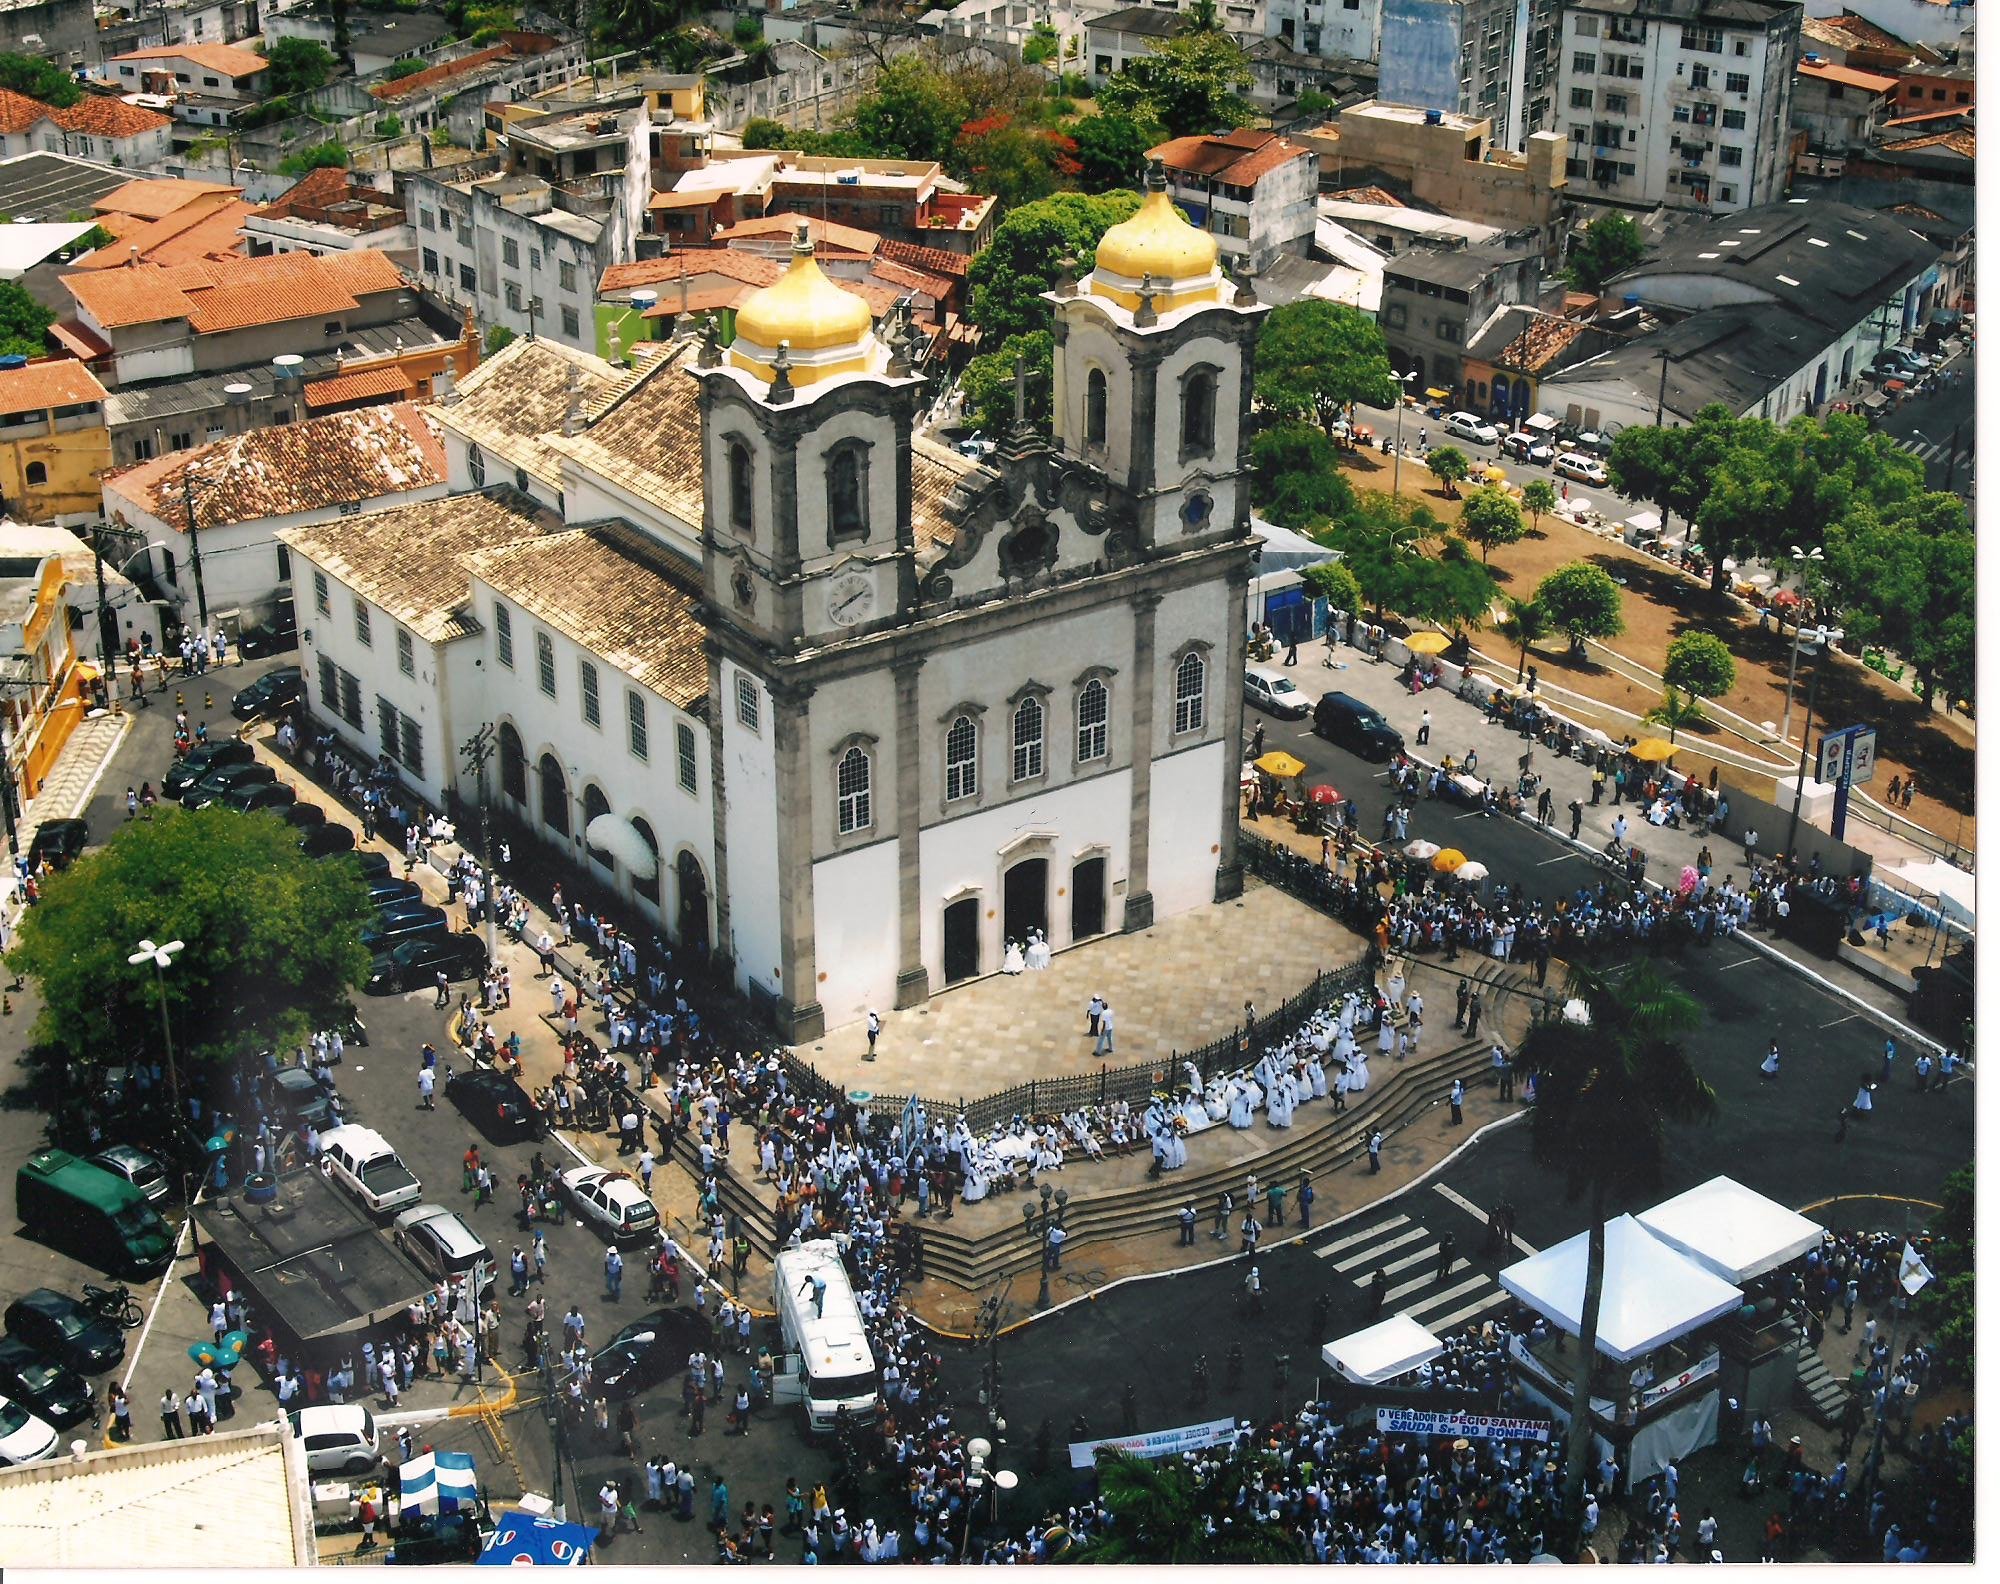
68	787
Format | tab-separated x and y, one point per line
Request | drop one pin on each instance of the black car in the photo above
301	1097
397	925
66	1331
275	636
53	1391
218	784
497	1105
416	961
303	816
323	841
270	693
262	795
645	1353
58	841
374	864
392	888
204	761
1343	719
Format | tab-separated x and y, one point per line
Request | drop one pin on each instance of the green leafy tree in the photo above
1333	582
1163	1511
1491	517
1608	246
633	24
1607	1088
24	323
408	66
1673	469
1450	588
1675	710
1015	162
1026	253
320	156
389	126
1191	83
1296	478
1524	624
914	112
297	66
1110	151
273	943
1538	495
988	384
1906	580
1944	1308
1700	663
1316	359
1448	466
496	338
1041	46
39	79
1583	602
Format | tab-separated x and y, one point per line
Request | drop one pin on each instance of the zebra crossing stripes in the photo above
1368	1254
1407	1254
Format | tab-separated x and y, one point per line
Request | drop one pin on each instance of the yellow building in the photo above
41	685
54	444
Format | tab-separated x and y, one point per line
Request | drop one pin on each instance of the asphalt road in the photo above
1938	429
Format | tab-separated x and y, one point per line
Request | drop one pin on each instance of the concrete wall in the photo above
1919	21
1509	191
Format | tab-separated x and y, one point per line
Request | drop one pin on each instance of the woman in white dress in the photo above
1014	961
1038	951
1239	1104
1316	1078
1396	988
1357	1072
1385	1036
1277	1107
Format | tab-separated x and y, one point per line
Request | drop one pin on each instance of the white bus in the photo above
828	1365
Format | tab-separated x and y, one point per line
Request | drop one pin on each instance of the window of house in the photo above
545	663
741	492
1395	315
1028	739
406	652
1584	26
510	253
1093	715
1731	154
1583	63
180	440
1096	405
413	747
587	676
1733	120
322	597
961	759
1198	412
847	491
1736	82
329	686
1728	195
1581	99
1190	690
566	275
361	633
468	277
1706	39
1448	330
684	763
350	698
1616	103
511	290
430	261
572	326
426	221
37	473
284	564
748	710
503	634
1697	76
851	784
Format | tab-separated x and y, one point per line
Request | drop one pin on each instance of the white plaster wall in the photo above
1186	829
750	814
1091	344
854	923
879	435
1221	355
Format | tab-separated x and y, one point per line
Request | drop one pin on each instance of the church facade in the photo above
945	703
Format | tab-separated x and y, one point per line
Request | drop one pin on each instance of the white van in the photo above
338	1438
361	1161
828	1364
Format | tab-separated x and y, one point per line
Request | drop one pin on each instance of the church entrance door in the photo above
1026	905
1086	899
961	940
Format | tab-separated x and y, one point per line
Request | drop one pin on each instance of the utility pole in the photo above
107	624
476	750
194	546
1660	406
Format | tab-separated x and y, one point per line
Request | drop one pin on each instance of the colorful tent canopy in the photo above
523	1540
438	1482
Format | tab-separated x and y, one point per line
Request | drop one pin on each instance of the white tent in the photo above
1382	1352
1951	885
1652	1293
1733	1231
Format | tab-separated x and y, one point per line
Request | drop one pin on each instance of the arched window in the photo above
961	759
1096	405
742	491
851	783
475	464
594	804
555	795
38	473
648	887
847	491
1190	690
513	764
1093	715
1028	723
1198	413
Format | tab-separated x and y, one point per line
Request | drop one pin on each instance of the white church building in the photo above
801	684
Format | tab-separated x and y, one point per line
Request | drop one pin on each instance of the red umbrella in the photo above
1323	794
1787	597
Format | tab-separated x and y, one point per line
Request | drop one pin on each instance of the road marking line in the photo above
1375	1230
1452	1196
1459	1316
1740	962
1375	1253
1439	1300
1431	1279
1396	1267
1559	858
1840	1020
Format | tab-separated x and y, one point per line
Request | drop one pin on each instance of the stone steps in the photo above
1824	1395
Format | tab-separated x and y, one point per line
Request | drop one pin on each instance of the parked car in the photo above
138	1168
270	693
401	921
361	1161
324	840
416	960
23	1437
339	1438
497	1105
1274	691
1527	447
60	1327
1344	720
54	1391
302	1098
1470	426
58	842
218	784
264	795
374	865
439	1243
392	888
612	1202
303	816
642	1355
200	762
275	636
1581	467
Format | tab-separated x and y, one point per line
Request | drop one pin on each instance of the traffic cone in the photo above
180	699
208	701
6	1005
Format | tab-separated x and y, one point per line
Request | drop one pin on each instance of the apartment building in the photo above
1253	191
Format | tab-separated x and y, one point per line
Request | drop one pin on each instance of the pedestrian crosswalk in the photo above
1409	1256
1924	450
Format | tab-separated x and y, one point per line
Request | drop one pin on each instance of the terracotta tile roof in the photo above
1240	159
79	339
431	76
512	405
223	59
232	293
1369	195
60	382
363	270
270	290
410	560
1539	344
18	112
825	233
894	274
287	469
1846	76
1926	115
1960	141
208	226
149	294
101	115
941	260
751	269
150	197
616	591
363	385
644	436
934	473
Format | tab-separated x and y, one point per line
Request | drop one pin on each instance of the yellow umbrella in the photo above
1495	474
1280	764
1449	861
1654	750
1427	643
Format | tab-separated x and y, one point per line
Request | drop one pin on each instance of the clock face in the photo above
850	598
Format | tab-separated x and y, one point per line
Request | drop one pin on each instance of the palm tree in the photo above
1526	623
1538	496
1675	710
1163	1514
1610	1074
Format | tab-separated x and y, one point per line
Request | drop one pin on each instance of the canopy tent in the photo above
1283	550
1733	1231
523	1540
1951	885
438	1482
1652	1293
1382	1352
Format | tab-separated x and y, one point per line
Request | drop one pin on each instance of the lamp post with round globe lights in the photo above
1040	1221
162	958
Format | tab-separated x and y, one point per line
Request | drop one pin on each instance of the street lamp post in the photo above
477	750
1040	1221
162	957
1819	639
1802	559
1396	462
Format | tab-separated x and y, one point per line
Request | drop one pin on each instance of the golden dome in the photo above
804	308
1157	241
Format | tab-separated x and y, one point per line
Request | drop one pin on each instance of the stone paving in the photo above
1174	987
